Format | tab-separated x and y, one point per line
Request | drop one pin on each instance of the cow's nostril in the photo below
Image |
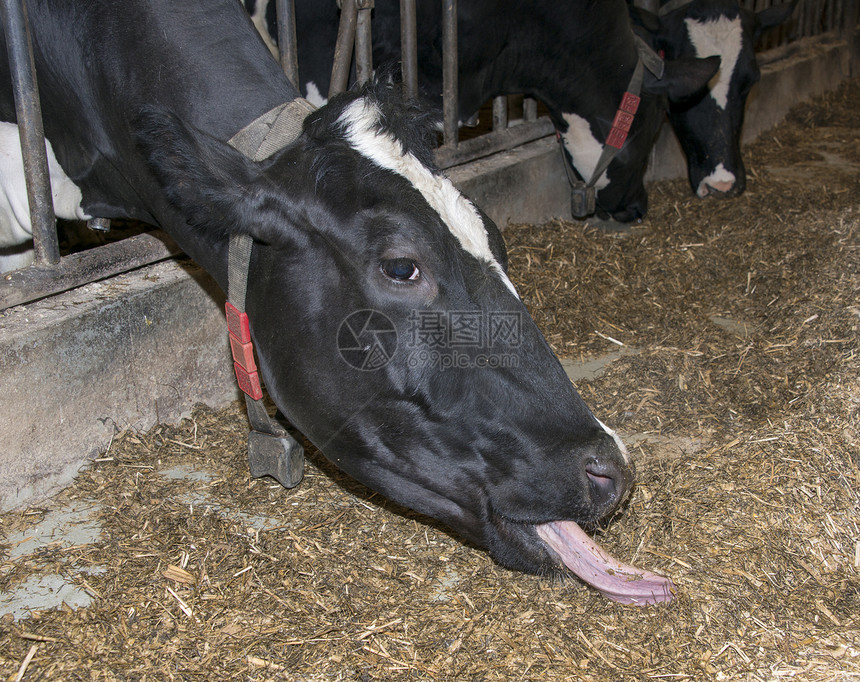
603	482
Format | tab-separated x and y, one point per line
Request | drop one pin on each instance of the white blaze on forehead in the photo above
583	148
722	37
314	96
361	120
720	179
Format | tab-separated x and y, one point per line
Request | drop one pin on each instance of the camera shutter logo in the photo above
367	340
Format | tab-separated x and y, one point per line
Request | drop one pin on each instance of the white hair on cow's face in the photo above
720	179
722	37
361	122
618	442
583	148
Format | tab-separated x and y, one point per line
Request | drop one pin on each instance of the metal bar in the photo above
479	147
343	48
409	48
35	282
99	224
851	14
529	108
450	89
29	114
500	112
287	44
363	43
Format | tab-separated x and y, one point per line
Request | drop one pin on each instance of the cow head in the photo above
620	188
389	333
709	127
586	112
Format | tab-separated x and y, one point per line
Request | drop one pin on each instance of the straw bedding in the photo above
737	388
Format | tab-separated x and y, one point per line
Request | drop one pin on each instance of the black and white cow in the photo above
16	232
576	57
386	327
709	127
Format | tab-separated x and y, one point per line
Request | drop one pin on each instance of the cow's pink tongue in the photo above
617	581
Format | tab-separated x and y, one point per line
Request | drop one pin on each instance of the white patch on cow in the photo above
618	441
720	180
584	148
260	23
314	96
15	226
722	37
360	120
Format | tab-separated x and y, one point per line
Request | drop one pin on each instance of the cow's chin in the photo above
561	547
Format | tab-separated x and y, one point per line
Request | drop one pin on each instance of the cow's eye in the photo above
401	269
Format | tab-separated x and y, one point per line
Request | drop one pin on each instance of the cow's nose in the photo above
719	189
609	479
724	188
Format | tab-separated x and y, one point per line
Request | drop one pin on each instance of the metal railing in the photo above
810	18
51	274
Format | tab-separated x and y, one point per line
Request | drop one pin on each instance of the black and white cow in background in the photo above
576	57
709	128
466	416
16	232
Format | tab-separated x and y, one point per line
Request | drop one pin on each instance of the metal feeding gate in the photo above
52	274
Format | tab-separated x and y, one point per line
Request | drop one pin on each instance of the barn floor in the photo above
729	332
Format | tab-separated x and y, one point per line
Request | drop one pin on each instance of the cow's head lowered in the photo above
709	127
586	131
590	56
389	333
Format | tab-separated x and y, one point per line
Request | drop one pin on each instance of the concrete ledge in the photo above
78	367
144	347
525	185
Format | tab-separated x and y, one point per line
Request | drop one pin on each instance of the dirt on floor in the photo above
736	386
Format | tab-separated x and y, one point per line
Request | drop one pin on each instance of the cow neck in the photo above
583	194
271	450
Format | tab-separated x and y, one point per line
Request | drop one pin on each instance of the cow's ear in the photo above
683	78
211	184
773	17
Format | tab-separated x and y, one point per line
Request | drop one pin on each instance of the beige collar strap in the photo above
272	131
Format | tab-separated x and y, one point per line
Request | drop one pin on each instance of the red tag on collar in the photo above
237	323
629	103
242	349
616	138
623	120
249	382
